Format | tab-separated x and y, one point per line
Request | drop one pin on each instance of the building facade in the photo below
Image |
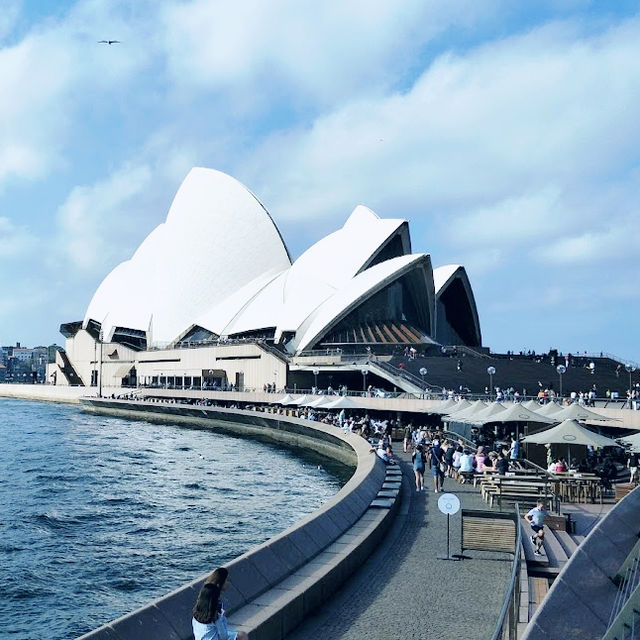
213	289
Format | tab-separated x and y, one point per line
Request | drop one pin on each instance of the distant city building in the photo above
217	275
25	365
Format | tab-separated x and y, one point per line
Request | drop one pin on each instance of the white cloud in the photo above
612	244
259	50
95	221
15	241
500	144
50	76
9	16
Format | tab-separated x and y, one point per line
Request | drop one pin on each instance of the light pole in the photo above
364	373
561	369
491	371
630	369
423	372
101	338
315	378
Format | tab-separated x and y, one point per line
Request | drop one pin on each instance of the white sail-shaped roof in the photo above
359	289
331	262
319	273
217	238
220	318
442	275
218	263
457	323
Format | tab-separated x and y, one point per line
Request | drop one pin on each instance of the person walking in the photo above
632	465
408	431
419	461
436	461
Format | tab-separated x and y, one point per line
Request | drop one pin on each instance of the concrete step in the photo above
568	543
554	550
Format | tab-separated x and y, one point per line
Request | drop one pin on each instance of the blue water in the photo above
100	515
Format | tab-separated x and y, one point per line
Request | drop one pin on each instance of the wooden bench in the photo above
538	589
525	498
488	531
521	492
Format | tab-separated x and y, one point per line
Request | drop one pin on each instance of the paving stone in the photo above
403	591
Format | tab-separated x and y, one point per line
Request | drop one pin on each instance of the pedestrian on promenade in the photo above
536	518
438	465
408	430
466	466
632	465
455	466
209	621
449	451
419	461
502	465
514	449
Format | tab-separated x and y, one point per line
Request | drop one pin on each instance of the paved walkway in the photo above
404	591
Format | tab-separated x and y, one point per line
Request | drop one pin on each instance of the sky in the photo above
506	132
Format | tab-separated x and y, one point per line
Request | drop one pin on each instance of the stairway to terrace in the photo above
520	372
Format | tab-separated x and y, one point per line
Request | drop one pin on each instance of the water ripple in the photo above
99	516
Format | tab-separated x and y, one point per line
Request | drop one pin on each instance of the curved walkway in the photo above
405	591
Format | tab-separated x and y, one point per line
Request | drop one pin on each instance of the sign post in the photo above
449	504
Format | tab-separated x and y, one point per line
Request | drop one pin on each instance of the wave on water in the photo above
55	520
104	515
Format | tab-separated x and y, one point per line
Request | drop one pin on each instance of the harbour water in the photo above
100	515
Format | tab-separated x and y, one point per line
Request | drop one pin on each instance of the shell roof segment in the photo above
219	262
217	238
443	274
330	263
356	291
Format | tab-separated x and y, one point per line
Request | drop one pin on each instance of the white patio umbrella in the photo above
532	405
549	409
578	412
319	401
518	413
444	406
298	402
633	440
485	414
286	400
570	432
342	402
466	412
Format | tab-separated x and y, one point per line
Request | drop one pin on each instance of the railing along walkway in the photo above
405	585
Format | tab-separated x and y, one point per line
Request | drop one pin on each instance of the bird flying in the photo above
108	41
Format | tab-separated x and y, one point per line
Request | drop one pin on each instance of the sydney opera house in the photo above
211	297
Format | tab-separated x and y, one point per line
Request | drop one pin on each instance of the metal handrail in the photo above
508	618
408	376
457	436
625	608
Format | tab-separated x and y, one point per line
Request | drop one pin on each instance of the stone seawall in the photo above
275	585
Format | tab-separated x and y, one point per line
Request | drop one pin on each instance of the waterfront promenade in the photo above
405	591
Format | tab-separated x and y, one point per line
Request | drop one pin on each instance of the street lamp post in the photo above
423	372
364	373
315	378
100	338
491	371
630	369
561	369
